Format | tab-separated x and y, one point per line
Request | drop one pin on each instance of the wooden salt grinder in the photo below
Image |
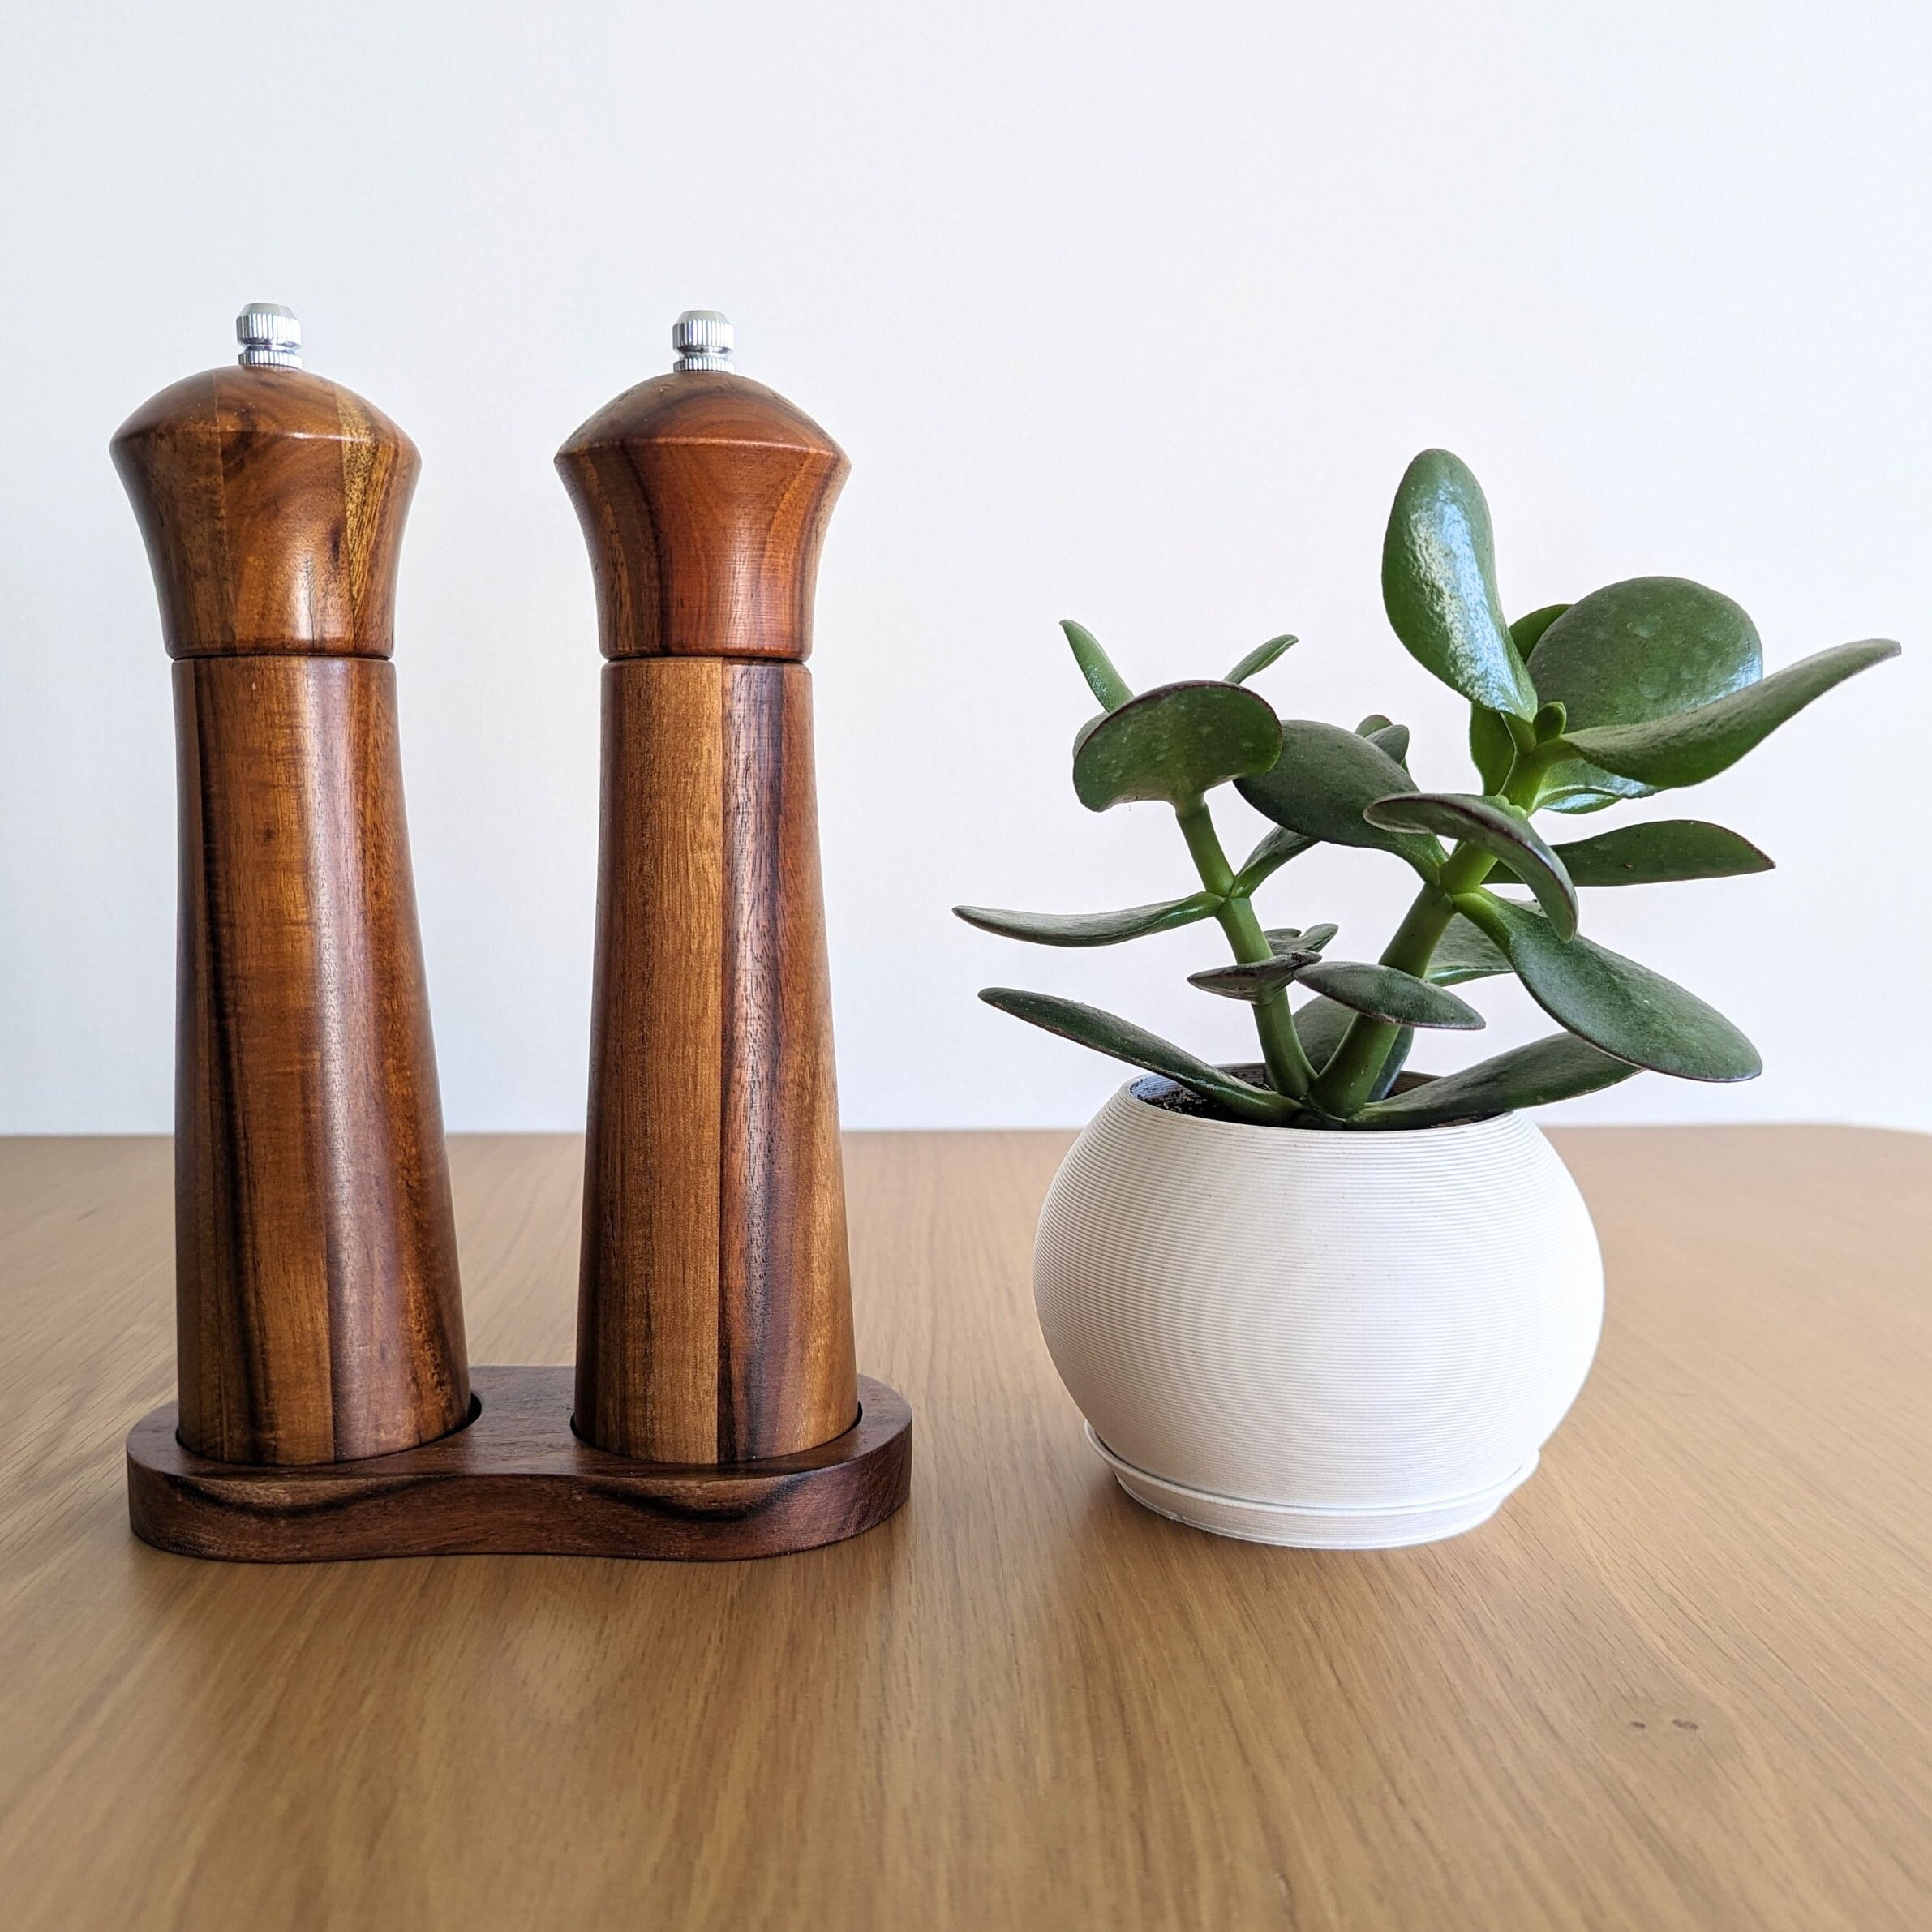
715	1307
319	1315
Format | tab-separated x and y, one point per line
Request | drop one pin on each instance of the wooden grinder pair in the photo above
327	1408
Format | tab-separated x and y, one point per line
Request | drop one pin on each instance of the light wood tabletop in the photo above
1683	1679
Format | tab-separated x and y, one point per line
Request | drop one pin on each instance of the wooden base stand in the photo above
516	1481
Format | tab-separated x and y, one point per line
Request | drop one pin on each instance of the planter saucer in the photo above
1294	1527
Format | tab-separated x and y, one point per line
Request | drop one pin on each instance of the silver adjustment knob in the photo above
702	338
270	336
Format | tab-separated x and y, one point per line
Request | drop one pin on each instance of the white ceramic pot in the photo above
1335	1340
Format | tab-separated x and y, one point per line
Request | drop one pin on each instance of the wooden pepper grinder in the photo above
715	1306
317	1303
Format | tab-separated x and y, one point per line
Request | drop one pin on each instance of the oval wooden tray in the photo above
516	1481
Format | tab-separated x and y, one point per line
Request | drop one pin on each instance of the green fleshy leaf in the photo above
1320	1024
1626	1008
1577	787
1491	747
1645	648
1386	993
1258	659
1660	850
1092	928
1387	735
1103	680
1295	938
1493	826
1254	983
1122	1040
1293	950
1526	632
1173	743
1634	651
1393	739
1465	951
1393	1062
1689	747
1277	846
1559	1068
1439	586
1321	784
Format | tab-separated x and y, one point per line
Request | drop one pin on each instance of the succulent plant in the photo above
1645	686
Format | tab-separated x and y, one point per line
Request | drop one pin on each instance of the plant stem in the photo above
1281	1046
1345	1084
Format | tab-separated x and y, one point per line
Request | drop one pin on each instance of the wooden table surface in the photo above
1683	1679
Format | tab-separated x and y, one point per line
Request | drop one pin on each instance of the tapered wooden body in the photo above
715	1313
319	1316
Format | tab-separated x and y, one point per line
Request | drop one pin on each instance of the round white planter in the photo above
1338	1340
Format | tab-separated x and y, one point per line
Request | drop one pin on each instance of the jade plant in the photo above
1645	686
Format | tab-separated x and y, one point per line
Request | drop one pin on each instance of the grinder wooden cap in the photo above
704	498
272	504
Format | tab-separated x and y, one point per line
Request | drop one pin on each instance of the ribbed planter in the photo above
1333	1340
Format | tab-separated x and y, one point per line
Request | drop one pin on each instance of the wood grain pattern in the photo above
319	1315
271	502
1683	1682
715	1314
704	499
516	1481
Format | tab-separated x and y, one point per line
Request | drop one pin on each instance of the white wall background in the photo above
1129	312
